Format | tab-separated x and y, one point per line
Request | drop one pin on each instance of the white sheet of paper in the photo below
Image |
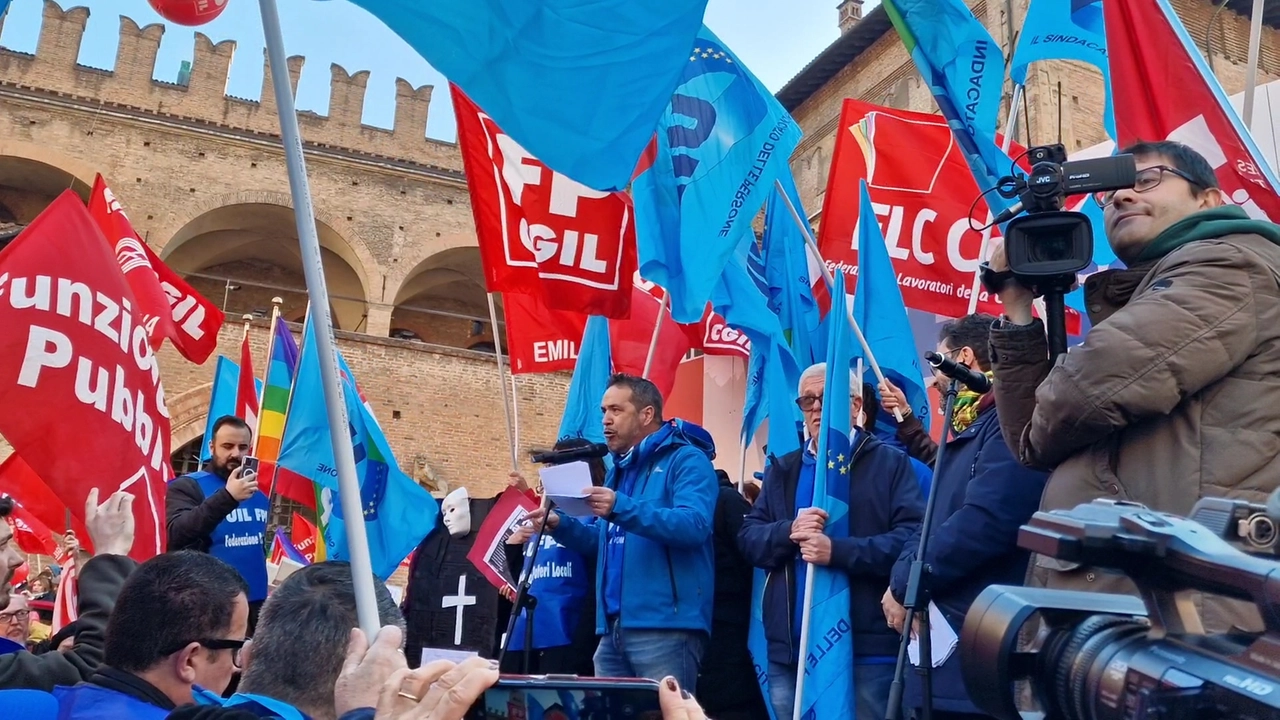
455	656
942	637
564	485
397	594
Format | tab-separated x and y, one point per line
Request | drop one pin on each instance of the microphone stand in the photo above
524	601
917	597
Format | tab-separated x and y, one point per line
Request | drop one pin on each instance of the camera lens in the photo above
1087	665
1051	248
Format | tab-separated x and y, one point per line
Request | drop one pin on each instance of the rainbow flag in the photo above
281	367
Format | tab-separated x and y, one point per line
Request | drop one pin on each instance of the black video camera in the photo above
1048	246
1112	657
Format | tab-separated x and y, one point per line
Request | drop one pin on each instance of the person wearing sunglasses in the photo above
175	638
1174	394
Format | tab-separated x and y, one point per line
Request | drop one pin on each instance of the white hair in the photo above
820	370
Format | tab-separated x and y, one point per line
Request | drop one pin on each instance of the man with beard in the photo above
219	510
110	528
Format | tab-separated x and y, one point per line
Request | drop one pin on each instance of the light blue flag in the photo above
721	142
222	398
786	268
582	414
964	69
827	657
398	512
878	308
741	298
1065	30
579	84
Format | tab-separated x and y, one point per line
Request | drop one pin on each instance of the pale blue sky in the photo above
775	38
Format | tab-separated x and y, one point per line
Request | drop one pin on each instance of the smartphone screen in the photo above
250	464
568	700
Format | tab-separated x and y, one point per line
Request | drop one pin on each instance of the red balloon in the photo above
188	12
20	575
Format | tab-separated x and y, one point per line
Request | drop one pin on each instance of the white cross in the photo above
460	601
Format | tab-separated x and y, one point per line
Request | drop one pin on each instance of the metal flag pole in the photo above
657	332
1010	124
1251	71
318	295
830	279
502	384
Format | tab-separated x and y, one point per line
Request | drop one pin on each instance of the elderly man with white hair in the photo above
784	531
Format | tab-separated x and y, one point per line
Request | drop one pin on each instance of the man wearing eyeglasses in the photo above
174	638
1175	393
15	620
784	531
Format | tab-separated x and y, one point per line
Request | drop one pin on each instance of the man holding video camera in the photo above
1174	394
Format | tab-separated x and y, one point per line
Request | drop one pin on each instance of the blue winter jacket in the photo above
984	496
668	558
886	508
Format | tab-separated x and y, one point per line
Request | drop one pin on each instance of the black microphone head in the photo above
933	358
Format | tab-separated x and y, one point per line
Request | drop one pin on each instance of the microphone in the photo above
968	377
568	455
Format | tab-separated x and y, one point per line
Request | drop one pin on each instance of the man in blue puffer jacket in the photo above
652	538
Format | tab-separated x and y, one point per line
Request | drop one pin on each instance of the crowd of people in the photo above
1169	399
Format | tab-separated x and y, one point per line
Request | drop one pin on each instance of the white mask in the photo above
456	510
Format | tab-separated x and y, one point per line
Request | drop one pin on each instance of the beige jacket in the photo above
1173	396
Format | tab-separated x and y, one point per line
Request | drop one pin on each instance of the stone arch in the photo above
442	300
248	242
31	177
188	414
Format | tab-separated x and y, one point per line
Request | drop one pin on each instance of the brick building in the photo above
203	179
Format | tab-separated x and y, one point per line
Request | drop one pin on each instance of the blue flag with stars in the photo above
398	512
880	312
720	143
827	657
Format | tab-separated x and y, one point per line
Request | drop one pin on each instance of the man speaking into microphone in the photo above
651	535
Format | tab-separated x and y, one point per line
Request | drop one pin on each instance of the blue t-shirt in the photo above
615	543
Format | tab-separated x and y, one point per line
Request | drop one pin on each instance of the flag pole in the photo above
1251	71
502	384
318	295
1010	125
657	332
805	623
831	283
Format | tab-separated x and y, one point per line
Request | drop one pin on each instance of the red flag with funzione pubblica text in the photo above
541	233
76	357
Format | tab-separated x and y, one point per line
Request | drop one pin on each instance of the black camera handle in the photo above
916	600
524	601
1055	323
